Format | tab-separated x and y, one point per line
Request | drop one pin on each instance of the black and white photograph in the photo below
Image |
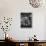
26	20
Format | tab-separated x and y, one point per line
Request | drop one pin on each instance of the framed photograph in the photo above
26	20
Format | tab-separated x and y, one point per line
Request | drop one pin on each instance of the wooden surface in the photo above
26	42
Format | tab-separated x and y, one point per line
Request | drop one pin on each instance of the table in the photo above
27	43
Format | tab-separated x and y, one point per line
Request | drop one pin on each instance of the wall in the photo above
13	8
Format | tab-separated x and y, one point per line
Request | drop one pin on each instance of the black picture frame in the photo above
26	20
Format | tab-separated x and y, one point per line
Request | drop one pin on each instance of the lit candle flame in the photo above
7	35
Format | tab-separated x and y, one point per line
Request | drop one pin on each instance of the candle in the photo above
7	35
